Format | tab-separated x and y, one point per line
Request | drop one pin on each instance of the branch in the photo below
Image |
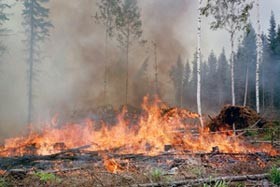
208	180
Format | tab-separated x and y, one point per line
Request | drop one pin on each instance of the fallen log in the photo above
192	182
11	162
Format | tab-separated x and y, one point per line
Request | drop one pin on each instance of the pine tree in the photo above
141	85
277	42
212	62
107	16
187	85
272	33
223	76
246	69
176	75
37	26
271	65
231	15
129	29
268	74
3	18
211	82
193	82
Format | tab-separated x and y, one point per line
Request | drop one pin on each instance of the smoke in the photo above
71	74
77	51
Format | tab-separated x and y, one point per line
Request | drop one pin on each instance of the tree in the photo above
259	57
187	84
176	75
246	69
37	26
231	15
277	42
268	74
198	53
3	18
156	92
210	81
223	78
141	85
272	33
107	16
129	29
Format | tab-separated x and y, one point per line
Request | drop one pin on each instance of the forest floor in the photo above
167	169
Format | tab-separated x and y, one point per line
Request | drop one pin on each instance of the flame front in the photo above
153	131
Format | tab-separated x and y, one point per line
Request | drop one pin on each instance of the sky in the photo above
218	39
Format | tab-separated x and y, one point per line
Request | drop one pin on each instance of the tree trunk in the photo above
127	59
246	87
259	44
156	69
31	61
232	68
198	63
105	66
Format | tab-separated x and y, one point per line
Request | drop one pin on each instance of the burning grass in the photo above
157	127
159	145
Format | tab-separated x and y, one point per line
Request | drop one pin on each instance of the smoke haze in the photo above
71	73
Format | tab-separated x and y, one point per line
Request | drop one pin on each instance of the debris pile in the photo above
240	116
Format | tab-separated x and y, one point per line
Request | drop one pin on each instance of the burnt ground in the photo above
83	168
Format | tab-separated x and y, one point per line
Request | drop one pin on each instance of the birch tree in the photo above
37	26
198	60
259	57
231	15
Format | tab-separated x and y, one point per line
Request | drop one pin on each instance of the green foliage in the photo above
176	75
198	171
107	12
272	35
220	183
3	182
156	175
4	17
46	177
274	175
128	23
36	19
231	15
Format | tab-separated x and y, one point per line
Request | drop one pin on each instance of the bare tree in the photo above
198	59
259	57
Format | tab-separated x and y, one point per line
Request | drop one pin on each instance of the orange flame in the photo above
112	165
156	128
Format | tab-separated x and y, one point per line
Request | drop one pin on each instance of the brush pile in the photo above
241	116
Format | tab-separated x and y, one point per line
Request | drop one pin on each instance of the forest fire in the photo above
156	128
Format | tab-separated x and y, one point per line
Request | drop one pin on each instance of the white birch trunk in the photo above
246	87
232	69
198	63
259	57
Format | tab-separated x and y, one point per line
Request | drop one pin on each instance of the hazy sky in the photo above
217	39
